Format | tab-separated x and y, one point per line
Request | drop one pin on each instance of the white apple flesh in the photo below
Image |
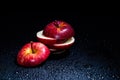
64	45
44	39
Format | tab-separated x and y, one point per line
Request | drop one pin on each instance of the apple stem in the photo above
56	24
31	42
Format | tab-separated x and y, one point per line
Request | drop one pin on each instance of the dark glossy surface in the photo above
94	56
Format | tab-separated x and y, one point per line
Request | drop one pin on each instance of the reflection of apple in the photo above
59	30
32	54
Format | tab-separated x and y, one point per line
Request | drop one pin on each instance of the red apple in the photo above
59	30
32	54
44	39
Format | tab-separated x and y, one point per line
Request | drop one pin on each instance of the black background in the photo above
97	38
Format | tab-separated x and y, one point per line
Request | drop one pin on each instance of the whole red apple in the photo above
60	30
32	54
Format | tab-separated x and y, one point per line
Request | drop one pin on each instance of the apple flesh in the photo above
59	30
32	54
64	45
44	39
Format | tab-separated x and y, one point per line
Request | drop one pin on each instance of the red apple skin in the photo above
60	30
62	46
44	39
27	58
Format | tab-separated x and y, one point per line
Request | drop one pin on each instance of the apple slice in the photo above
44	39
64	45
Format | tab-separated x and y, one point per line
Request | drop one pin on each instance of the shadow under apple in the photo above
56	55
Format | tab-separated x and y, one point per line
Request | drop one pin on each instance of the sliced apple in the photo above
52	42
44	39
64	45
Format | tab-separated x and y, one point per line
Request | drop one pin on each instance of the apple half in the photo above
51	42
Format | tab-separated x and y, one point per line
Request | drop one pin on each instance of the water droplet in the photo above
92	79
117	76
102	77
16	72
88	76
9	78
27	74
113	76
